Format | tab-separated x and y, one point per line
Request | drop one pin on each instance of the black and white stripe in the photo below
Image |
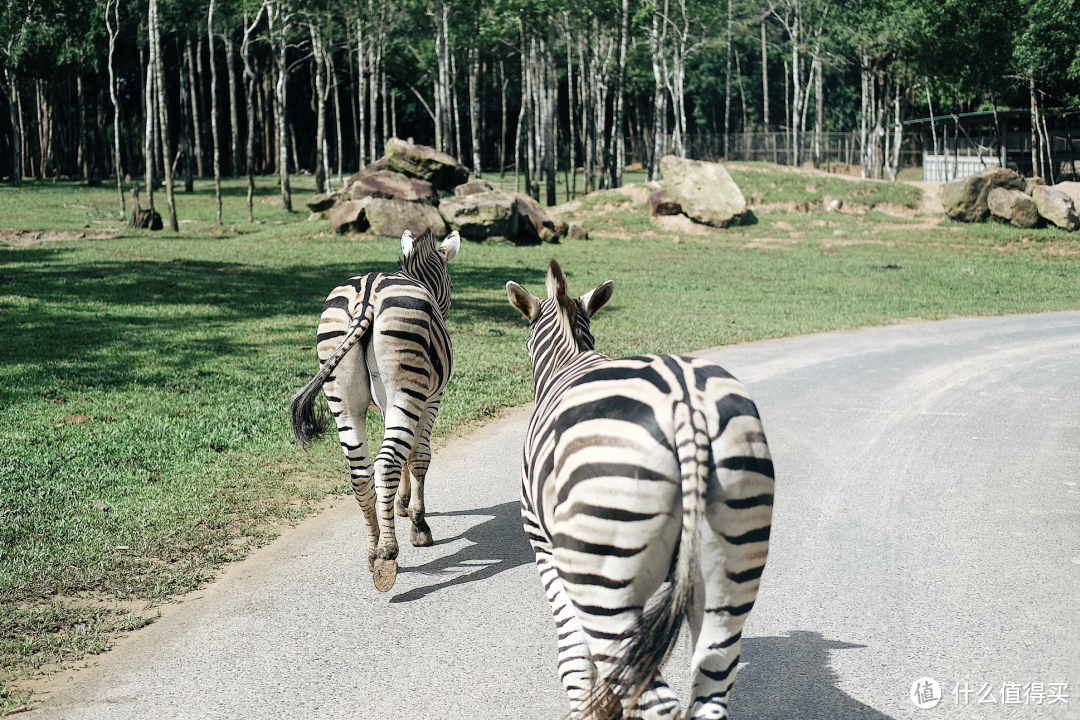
636	472
402	366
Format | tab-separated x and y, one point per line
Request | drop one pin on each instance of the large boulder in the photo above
531	224
475	187
1056	206
425	163
660	203
1013	206
394	186
479	216
392	217
1031	183
322	202
704	190
1072	189
368	170
966	198
349	216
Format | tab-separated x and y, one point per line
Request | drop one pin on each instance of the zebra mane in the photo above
572	316
422	248
424	263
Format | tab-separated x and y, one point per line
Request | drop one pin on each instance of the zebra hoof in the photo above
421	536
385	574
403	510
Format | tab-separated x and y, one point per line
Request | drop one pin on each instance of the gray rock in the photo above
1072	189
475	187
660	203
1013	206
394	186
705	191
965	199
321	202
371	169
576	232
530	223
1031	183
349	216
1056	206
425	163
392	217
479	216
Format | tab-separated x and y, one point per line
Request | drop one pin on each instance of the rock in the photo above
349	216
660	203
479	216
1014	206
425	163
1031	183
377	166
1056	206
392	217
965	199
475	187
576	232
322	201
1072	189
530	222
704	190
394	186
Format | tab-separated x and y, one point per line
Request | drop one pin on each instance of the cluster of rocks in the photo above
402	191
702	191
1007	196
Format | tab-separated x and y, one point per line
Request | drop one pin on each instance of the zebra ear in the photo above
451	245
556	280
595	299
526	303
407	240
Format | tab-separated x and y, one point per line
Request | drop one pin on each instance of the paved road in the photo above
927	524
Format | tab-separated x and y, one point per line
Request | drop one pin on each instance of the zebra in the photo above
636	472
403	366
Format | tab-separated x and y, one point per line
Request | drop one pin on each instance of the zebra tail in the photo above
307	424
654	635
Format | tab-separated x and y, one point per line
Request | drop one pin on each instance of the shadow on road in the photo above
790	677
497	544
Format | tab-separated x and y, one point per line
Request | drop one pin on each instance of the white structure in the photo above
946	168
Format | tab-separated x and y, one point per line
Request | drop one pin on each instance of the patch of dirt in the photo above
15	237
845	243
931	197
770	242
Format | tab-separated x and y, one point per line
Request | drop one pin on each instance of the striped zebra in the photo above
403	364
636	472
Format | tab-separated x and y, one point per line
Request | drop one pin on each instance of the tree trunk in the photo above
279	17
764	79
1035	154
84	134
657	37
249	102
474	107
315	31
361	96
459	151
620	90
185	119
331	73
16	126
727	84
148	135
549	112
116	104
571	186
213	109
163	116
795	154
234	120
45	127
819	114
502	128
352	84
193	84
742	95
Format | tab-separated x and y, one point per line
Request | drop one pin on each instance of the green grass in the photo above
773	184
144	379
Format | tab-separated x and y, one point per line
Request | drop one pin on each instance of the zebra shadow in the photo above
788	678
496	544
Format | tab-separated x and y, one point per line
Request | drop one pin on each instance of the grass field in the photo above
144	378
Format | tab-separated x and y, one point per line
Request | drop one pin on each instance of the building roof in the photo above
986	117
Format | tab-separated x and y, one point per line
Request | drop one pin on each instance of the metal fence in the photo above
776	147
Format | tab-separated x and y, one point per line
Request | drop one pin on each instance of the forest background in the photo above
524	86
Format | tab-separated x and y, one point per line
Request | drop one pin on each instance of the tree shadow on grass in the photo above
791	678
118	322
495	545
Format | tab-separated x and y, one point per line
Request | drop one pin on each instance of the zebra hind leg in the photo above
396	447
419	462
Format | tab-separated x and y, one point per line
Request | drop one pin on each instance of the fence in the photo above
776	147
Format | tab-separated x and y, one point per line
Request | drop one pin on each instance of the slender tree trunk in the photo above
249	102
163	115
502	128
195	117
549	112
361	96
115	103
897	135
657	36
16	124
45	129
819	114
213	109
764	79
185	119
148	135
279	33
320	106
742	95
933	125
474	107
331	73
727	84
234	119
373	101
84	134
1035	154
795	149
459	151
353	85
620	90
571	186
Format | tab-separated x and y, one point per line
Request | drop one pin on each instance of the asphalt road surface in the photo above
927	524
